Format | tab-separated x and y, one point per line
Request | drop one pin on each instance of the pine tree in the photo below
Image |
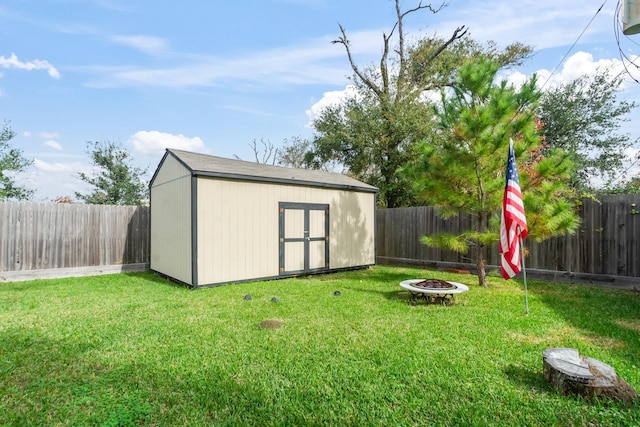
461	169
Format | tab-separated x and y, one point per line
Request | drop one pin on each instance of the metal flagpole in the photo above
524	275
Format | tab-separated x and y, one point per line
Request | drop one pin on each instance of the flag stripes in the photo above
513	226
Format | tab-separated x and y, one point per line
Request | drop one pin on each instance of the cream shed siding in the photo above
233	233
171	220
238	228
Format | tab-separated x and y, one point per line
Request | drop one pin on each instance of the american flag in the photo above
514	222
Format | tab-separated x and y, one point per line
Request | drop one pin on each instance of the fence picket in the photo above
37	236
47	236
606	243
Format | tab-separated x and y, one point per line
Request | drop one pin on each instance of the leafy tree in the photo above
297	153
432	69
371	141
293	152
12	161
583	117
461	168
374	132
115	180
631	186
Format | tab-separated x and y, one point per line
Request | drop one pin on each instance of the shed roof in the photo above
206	165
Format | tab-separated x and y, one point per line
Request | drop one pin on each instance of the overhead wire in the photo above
574	44
626	63
623	56
569	50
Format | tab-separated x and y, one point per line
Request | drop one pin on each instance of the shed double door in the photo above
304	237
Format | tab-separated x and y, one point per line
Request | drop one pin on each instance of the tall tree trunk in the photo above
482	275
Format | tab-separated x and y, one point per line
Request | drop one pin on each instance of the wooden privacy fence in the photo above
606	244
38	236
35	236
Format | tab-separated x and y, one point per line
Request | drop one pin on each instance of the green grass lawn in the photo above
138	350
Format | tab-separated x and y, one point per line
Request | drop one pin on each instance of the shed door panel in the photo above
294	225
294	256
317	239
316	255
304	237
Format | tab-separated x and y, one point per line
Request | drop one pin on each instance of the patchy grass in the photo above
138	350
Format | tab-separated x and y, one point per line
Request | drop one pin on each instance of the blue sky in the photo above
213	76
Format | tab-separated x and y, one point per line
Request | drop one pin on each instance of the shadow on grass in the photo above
395	295
393	276
608	318
532	380
152	276
38	373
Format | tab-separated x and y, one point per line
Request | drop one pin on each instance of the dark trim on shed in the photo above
194	230
255	178
366	188
262	279
197	166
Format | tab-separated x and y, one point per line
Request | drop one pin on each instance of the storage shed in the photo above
216	221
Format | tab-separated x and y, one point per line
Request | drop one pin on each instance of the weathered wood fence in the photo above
35	236
38	236
607	243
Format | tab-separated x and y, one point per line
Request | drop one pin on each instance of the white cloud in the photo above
316	61
53	144
579	64
576	65
633	159
56	179
148	44
155	142
541	23
67	168
514	77
331	98
37	64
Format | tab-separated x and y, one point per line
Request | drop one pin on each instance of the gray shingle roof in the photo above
206	165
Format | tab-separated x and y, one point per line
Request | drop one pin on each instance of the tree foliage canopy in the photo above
12	161
461	168
374	132
431	69
583	117
115	180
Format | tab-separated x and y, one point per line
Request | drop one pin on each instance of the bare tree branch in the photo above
384	90
269	155
457	34
343	40
401	15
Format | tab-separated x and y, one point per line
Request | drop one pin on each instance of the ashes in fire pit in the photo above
434	284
